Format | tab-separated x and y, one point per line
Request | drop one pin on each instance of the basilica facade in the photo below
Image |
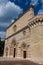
24	37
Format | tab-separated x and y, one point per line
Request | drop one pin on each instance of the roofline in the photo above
31	6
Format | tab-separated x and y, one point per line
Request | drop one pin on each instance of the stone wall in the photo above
28	37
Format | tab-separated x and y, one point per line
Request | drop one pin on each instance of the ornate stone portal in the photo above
27	41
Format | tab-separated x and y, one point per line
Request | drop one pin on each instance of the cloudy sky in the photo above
11	9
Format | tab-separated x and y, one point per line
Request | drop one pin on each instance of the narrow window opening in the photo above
14	51
24	54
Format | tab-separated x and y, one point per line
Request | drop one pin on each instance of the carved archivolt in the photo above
13	43
12	46
23	45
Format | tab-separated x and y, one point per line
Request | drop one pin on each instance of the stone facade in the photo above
24	38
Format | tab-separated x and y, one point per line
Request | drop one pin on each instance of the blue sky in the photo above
11	9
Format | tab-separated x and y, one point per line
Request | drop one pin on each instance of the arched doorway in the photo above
24	51
13	49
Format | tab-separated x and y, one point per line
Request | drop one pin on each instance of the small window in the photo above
14	27
24	32
24	45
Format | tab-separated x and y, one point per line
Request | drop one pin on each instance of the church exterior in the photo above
24	37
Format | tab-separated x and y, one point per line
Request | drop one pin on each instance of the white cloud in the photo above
12	20
2	34
2	2
4	24
41	9
34	2
42	4
8	11
42	0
